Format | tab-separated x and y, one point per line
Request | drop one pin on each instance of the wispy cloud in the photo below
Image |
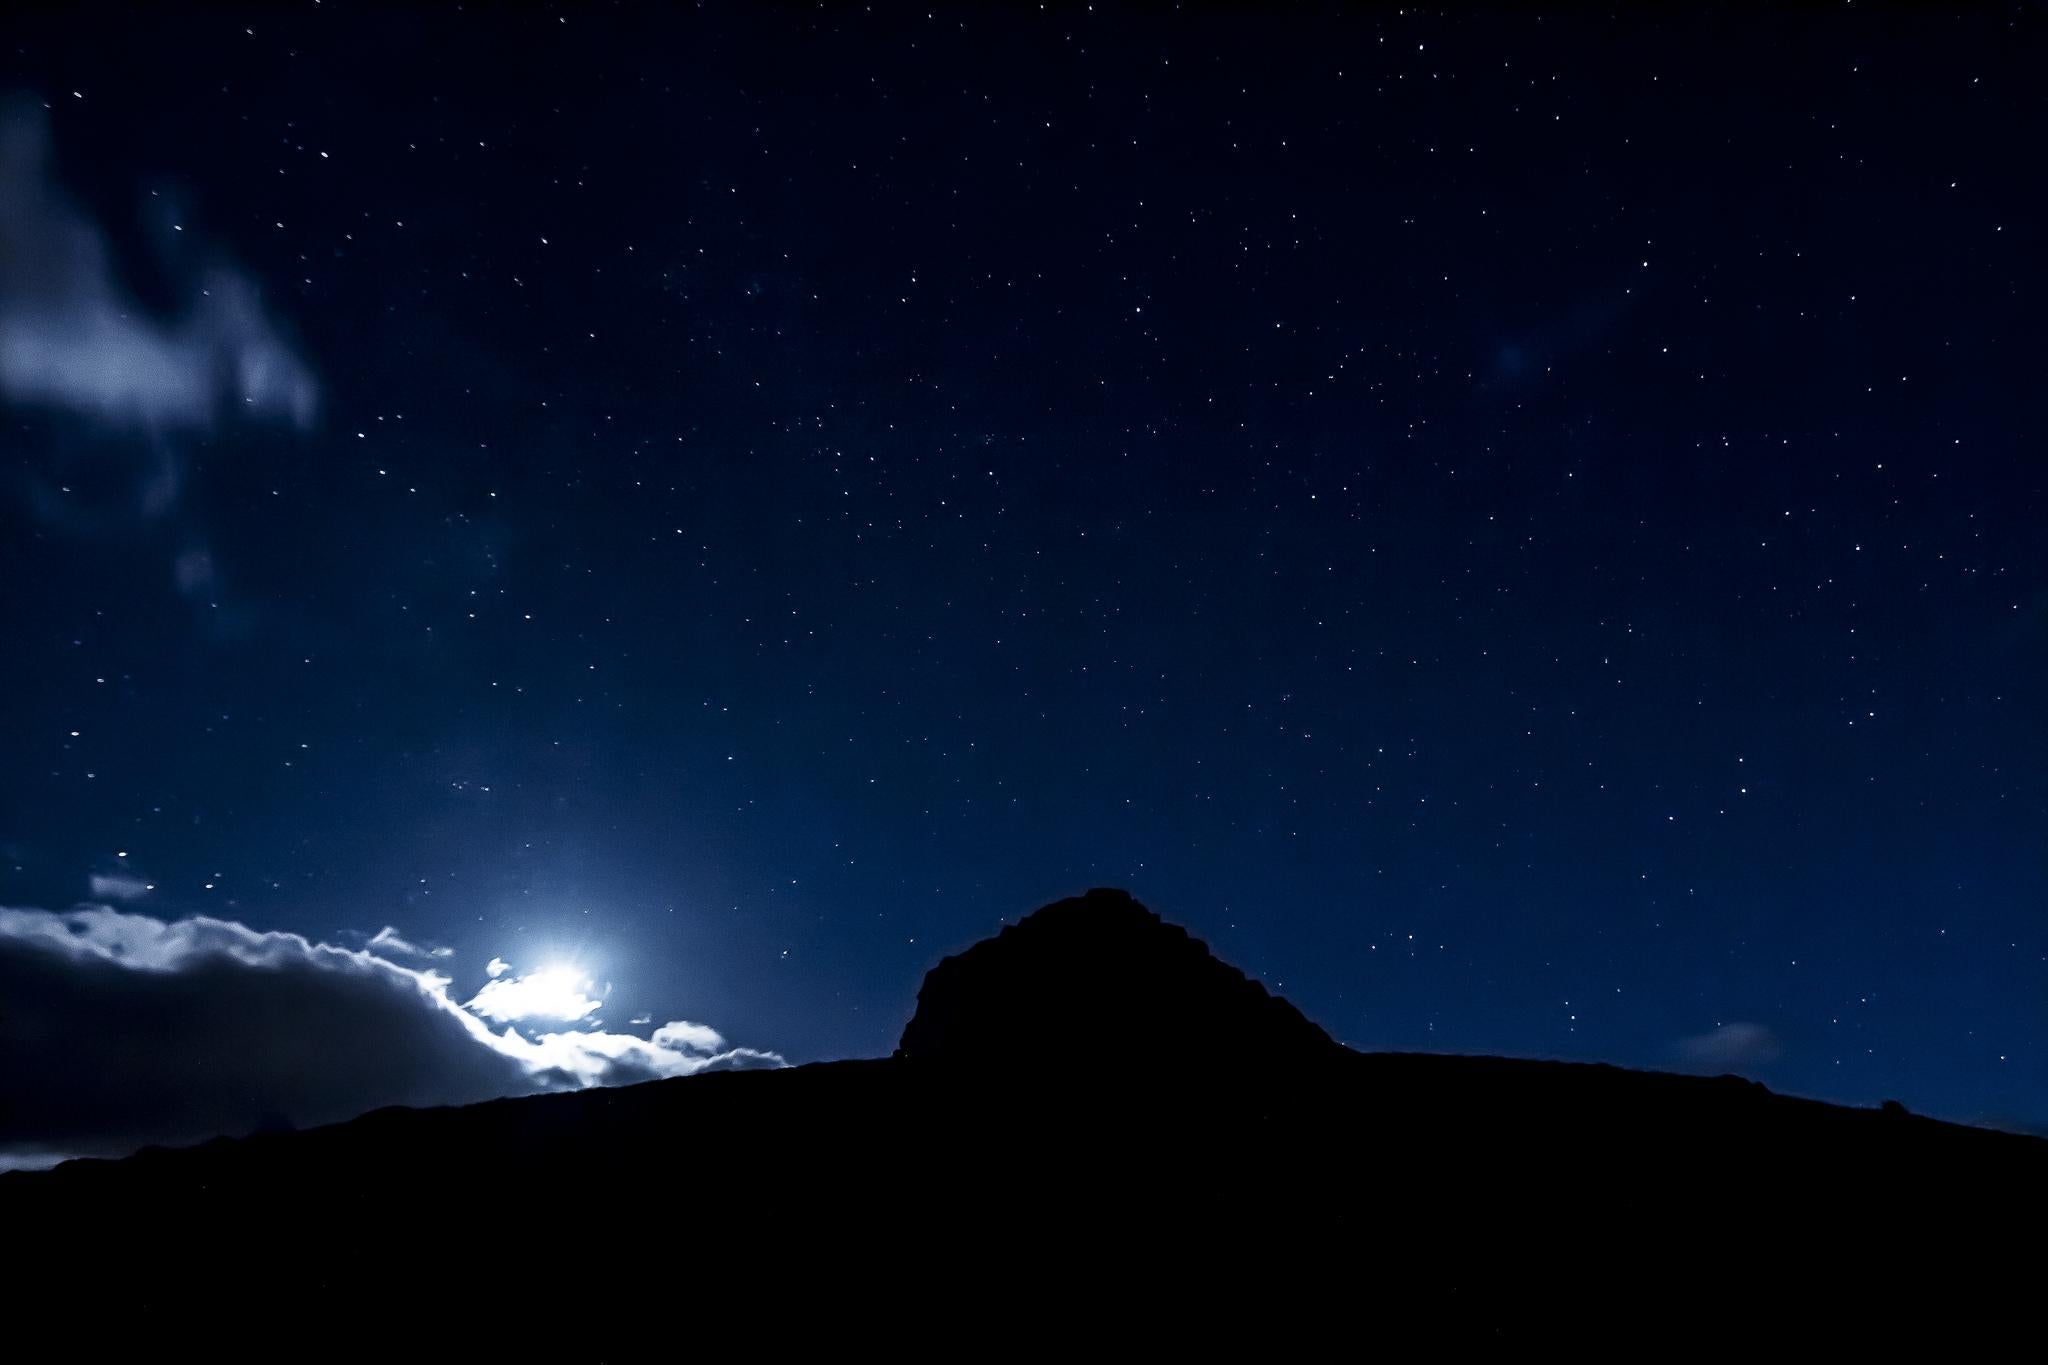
72	338
389	940
132	384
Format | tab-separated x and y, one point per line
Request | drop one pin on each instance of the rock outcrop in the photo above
1098	981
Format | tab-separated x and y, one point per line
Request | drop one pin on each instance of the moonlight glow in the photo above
556	992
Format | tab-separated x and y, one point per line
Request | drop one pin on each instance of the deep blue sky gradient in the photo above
1525	533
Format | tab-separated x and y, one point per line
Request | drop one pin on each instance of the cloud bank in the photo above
121	1030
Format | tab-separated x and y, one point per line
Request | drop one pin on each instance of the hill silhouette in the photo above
1092	1129
1105	967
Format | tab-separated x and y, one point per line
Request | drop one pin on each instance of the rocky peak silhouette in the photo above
1099	977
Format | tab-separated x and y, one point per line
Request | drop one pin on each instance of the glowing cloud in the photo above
131	1029
557	993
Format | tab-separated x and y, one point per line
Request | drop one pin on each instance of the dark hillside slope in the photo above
1212	1166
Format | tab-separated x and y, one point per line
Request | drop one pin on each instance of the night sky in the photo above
1525	533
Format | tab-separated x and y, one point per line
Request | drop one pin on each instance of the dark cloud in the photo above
121	1030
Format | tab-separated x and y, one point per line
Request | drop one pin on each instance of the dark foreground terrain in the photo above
1093	1135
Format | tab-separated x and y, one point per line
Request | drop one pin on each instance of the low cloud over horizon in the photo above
1735	1046
123	1030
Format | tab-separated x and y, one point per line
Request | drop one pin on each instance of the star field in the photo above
1523	532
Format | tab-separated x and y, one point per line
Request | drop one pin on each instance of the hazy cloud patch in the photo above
133	385
73	338
1731	1046
118	886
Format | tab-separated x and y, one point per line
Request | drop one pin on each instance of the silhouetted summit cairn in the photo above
1095	985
